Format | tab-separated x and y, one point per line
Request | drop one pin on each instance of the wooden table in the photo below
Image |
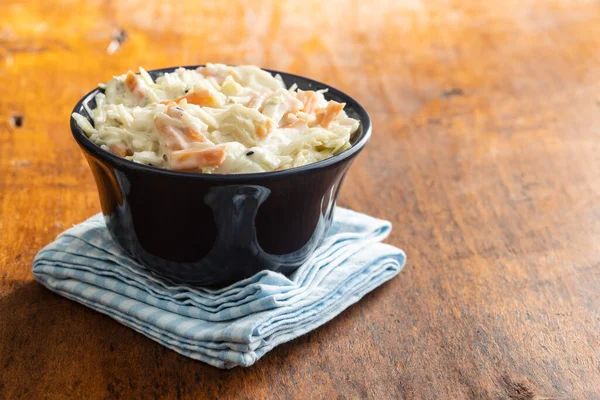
485	156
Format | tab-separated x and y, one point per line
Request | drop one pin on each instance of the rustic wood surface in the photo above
485	156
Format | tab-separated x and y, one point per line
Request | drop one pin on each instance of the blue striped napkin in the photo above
229	327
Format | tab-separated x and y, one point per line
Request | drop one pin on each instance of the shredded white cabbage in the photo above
216	119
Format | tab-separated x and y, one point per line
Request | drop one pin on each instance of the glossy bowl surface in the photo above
213	230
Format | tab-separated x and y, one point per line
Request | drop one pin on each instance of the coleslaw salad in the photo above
216	119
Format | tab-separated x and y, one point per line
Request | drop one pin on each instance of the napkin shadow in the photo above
51	344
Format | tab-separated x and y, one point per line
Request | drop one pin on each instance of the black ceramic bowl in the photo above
217	229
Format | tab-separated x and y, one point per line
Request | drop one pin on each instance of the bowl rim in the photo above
106	156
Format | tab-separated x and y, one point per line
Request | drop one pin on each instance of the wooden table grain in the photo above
485	156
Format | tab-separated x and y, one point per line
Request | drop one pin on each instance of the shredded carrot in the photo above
200	97
197	158
326	116
309	100
177	113
131	81
174	140
133	85
195	135
262	130
292	121
118	150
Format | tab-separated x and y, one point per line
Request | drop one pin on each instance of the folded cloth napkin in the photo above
228	327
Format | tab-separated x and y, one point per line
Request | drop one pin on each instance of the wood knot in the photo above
17	120
453	92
